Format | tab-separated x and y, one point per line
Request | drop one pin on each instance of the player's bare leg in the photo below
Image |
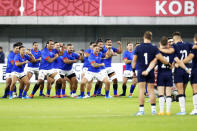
168	99
152	97
124	86
181	98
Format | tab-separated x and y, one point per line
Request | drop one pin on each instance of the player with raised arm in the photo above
94	72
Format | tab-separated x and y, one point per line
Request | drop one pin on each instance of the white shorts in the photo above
66	73
43	73
32	70
128	74
8	75
84	70
109	70
92	75
18	75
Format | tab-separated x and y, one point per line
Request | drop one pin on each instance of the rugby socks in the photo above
20	92
168	103
82	94
132	89
49	92
96	88
59	87
35	88
99	91
41	91
161	103
124	88
141	108
146	89
11	93
88	93
73	92
115	86
106	93
195	101
182	103
6	93
24	93
153	107
63	91
14	88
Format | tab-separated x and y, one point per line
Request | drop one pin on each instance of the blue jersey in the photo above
37	55
145	52
108	61
86	62
18	58
182	50
45	54
129	56
60	63
55	64
10	59
71	56
162	67
95	59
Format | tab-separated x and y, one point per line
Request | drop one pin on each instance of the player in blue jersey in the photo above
69	58
10	62
193	56
107	61
86	65
181	77
20	60
127	57
144	54
46	68
33	68
94	72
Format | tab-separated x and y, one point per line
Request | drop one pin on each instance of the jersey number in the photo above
146	58
168	59
183	54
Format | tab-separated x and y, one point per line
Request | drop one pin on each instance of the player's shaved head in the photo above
148	35
164	41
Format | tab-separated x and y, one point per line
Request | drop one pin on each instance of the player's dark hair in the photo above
129	43
92	42
99	40
34	42
69	45
1	47
56	42
195	36
176	34
164	41
17	44
169	38
148	35
48	43
21	47
106	40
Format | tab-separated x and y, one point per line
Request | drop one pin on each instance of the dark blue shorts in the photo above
194	76
181	76
164	79
150	78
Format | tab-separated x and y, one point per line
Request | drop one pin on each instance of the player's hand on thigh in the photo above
145	73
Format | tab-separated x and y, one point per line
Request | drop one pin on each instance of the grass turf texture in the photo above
98	113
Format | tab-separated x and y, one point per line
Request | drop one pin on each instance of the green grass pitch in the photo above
94	114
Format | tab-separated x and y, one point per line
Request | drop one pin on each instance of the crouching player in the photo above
20	60
94	72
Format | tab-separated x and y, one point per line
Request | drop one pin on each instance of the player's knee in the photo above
115	81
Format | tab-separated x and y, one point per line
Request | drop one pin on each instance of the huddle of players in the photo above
54	63
166	57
